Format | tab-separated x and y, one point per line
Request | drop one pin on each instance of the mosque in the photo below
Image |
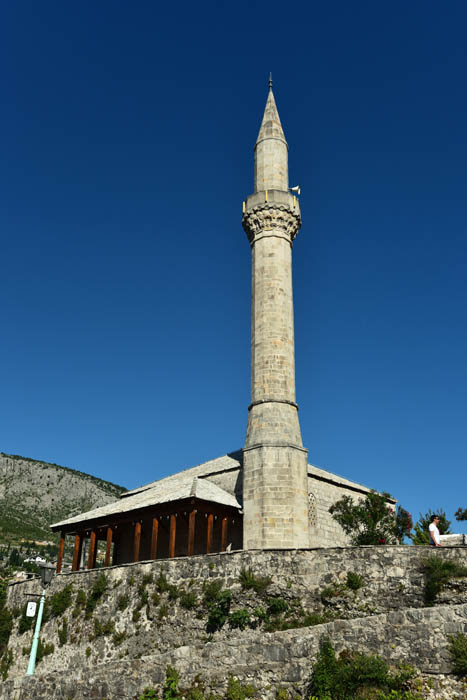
266	495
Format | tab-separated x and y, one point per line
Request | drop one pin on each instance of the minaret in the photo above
275	498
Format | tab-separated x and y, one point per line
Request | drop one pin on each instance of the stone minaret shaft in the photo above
275	498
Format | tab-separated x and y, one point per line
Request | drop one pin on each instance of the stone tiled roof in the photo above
233	460
190	482
338	480
163	491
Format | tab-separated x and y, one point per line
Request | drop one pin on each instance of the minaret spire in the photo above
271	150
275	497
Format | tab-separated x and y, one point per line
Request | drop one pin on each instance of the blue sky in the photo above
127	134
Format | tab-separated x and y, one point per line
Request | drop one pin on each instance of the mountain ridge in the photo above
34	494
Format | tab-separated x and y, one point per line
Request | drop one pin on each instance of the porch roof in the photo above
162	492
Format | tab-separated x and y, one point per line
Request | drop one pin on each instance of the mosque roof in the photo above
193	483
164	491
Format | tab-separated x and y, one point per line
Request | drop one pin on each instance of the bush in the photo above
219	611
438	572
458	652
25	623
238	691
80	603
352	674
354	581
188	599
239	619
369	521
276	606
6	625
60	601
103	628
162	584
122	602
211	590
257	583
63	633
43	649
421	536
118	638
95	594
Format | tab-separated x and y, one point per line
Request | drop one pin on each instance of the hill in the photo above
34	494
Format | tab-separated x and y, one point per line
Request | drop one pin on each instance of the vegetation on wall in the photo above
438	572
458	652
352	676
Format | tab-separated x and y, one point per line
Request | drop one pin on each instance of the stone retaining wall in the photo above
386	616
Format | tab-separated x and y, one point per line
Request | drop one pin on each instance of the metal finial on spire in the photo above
270	81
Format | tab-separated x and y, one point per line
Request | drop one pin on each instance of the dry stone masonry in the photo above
141	626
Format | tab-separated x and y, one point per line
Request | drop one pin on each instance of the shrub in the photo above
219	611
95	594
5	662
63	633
211	590
354	581
103	628
249	581
25	623
354	675
188	599
60	601
331	592
277	606
458	652
43	649
163	611
6	625
162	584
80	602
437	574
238	691
173	592
149	694
122	602
118	638
240	619
369	521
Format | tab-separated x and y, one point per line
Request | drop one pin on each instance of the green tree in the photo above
461	514
371	520
421	535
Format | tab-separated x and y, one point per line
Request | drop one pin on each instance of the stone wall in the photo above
151	629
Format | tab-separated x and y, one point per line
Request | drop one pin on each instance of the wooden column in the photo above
61	549
77	553
209	534
108	548
172	533
137	541
92	550
225	522
191	533
154	537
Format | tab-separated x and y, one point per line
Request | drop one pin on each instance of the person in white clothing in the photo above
434	532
